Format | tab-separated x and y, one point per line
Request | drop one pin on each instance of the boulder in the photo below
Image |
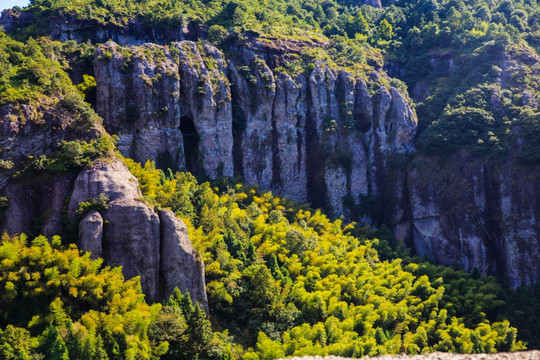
91	234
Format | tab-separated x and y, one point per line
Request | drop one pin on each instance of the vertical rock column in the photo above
289	175
179	264
132	235
352	141
138	91
206	102
519	191
254	88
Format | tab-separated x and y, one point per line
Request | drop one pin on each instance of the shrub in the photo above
216	34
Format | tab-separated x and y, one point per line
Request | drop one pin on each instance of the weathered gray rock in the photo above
206	104
112	179
35	130
375	3
447	223
180	266
91	234
138	97
155	247
36	204
474	214
289	119
131	234
518	198
153	97
316	139
255	100
132	240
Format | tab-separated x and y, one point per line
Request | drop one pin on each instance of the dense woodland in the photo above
282	279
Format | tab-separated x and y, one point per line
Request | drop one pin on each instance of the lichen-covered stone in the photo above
135	237
180	266
138	95
91	234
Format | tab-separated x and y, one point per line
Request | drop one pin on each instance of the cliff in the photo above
186	104
45	199
325	137
472	213
322	136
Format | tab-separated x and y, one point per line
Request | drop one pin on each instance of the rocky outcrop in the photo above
254	91
289	129
472	213
139	99
142	107
154	246
128	233
207	110
375	3
67	27
28	134
179	264
11	19
318	137
131	234
35	205
91	234
36	129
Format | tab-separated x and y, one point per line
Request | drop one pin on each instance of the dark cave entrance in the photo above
191	144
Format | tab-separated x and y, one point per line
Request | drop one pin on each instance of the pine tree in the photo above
111	346
199	330
58	350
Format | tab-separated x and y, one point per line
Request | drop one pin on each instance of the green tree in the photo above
385	31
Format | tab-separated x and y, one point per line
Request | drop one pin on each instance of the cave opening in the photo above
191	144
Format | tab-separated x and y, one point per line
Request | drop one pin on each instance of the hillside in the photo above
322	178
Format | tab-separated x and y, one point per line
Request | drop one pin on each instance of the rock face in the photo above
179	264
36	206
127	233
325	137
316	138
148	126
67	27
91	234
474	214
139	99
374	3
131	233
36	199
156	247
207	110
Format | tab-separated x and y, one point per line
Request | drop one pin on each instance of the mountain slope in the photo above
312	108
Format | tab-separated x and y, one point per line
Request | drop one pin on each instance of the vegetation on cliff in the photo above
444	51
282	279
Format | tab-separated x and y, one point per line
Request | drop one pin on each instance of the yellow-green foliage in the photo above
26	74
57	292
305	285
